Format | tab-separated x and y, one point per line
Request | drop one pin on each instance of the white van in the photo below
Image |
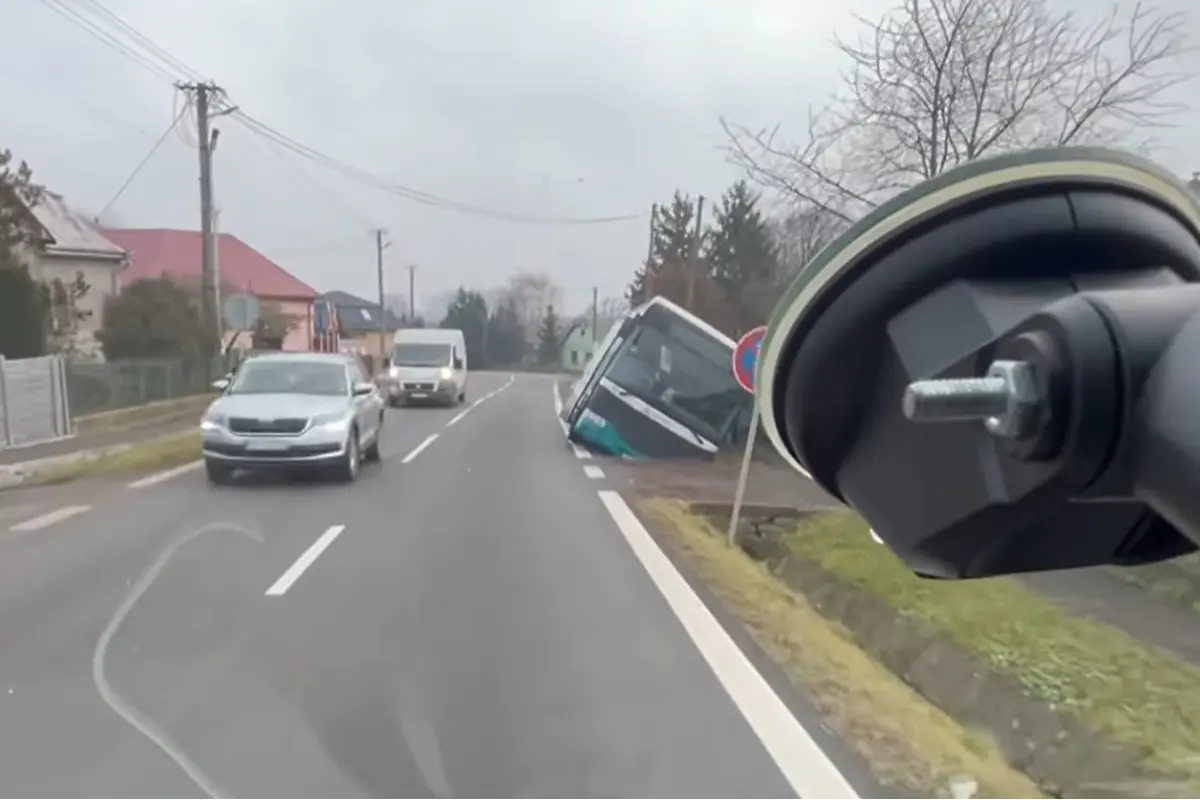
428	365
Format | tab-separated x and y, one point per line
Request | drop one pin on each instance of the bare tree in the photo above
530	294
800	233
936	83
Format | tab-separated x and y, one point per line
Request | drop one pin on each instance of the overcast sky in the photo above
580	108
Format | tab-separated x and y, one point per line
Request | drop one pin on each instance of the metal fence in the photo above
107	386
34	402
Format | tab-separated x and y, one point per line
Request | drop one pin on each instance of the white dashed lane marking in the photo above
165	475
305	561
593	472
49	518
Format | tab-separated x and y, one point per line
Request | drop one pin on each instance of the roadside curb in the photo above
15	475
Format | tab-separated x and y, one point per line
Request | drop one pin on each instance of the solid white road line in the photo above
803	764
580	452
459	416
49	518
593	472
558	403
416	451
305	561
165	475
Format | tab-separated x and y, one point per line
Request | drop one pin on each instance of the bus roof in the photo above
688	316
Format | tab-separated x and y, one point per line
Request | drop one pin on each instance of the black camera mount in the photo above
1000	369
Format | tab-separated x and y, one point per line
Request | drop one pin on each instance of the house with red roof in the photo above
175	254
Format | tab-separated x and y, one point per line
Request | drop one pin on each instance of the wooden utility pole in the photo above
380	245
694	257
595	311
649	272
204	94
412	293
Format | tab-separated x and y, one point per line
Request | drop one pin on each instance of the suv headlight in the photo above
447	373
332	421
212	422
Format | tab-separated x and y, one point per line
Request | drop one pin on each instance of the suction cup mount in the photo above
986	367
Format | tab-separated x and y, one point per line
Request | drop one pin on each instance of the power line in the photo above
152	57
106	38
334	197
141	164
145	41
410	193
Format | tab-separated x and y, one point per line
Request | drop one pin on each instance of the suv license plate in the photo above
268	447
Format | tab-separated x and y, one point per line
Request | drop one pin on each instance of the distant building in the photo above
358	324
73	247
176	254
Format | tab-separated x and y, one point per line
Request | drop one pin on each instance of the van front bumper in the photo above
422	391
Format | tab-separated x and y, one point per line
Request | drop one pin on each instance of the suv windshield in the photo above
290	377
417	354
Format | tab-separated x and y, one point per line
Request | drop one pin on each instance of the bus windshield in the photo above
683	374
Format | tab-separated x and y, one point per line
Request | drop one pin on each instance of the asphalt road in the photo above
477	616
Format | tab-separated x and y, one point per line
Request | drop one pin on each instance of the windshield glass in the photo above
290	377
684	374
420	354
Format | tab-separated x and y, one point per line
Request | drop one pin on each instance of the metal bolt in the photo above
1007	400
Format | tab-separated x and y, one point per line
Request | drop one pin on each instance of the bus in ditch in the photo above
660	385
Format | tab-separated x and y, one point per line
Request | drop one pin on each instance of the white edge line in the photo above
49	518
306	559
803	763
593	472
416	451
165	475
459	416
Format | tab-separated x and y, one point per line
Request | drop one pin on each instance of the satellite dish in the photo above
1046	260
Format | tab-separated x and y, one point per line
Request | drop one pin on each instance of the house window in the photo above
574	357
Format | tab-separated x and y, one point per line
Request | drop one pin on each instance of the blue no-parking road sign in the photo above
745	357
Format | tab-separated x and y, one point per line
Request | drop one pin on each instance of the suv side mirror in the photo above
363	388
220	384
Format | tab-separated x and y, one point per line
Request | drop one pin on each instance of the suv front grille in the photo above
279	426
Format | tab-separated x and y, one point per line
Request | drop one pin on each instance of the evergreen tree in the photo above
742	256
674	229
23	308
506	343
468	313
548	336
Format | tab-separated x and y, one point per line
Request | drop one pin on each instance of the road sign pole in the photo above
745	365
740	492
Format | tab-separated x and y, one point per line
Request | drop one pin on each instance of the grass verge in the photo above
161	453
1139	695
141	416
907	741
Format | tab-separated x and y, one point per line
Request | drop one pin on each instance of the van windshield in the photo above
420	354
